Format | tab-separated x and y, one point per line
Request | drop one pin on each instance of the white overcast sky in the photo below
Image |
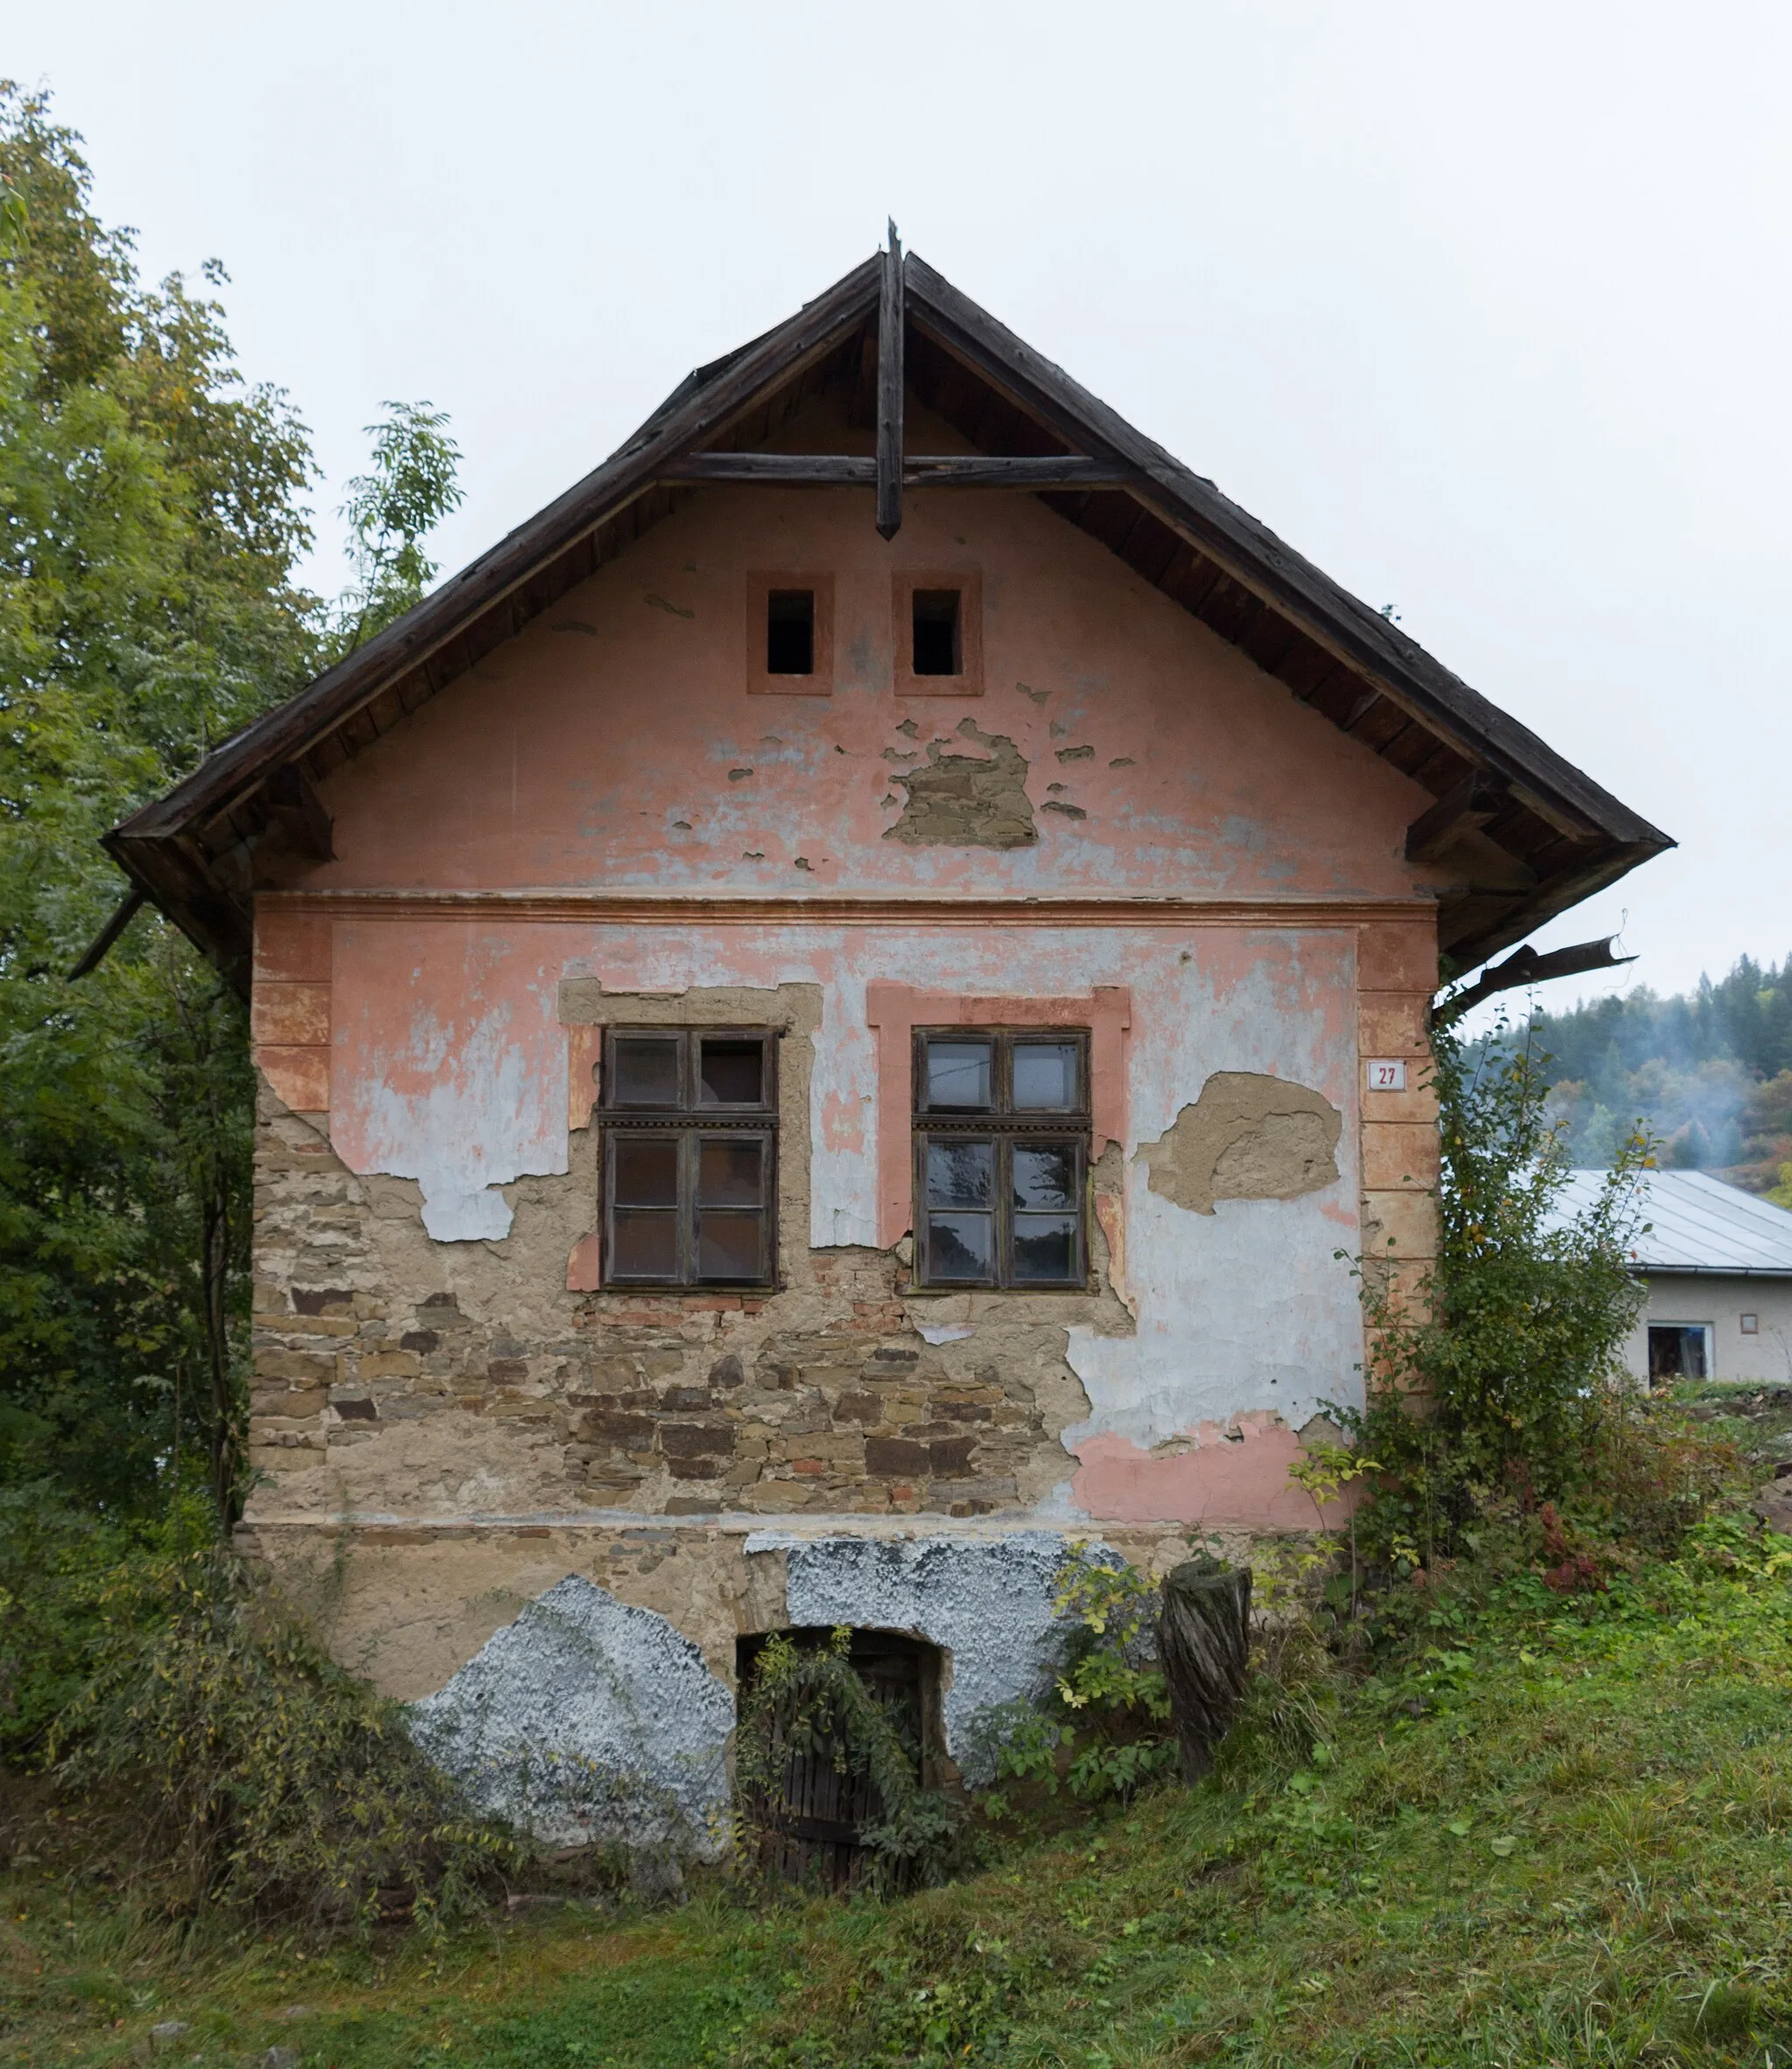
1483	308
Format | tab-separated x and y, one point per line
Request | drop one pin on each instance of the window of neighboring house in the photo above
790	632
1679	1351
1750	1325
689	1156
1001	1156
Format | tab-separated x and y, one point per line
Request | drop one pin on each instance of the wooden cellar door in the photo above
813	1833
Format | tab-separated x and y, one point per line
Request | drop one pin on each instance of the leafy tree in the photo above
151	518
391	511
1712	1070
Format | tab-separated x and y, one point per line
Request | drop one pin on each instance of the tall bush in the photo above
1496	1368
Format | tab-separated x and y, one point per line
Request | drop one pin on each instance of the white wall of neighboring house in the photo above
1721	1302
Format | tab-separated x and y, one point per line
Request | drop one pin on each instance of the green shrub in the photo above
210	1755
809	1700
1107	1701
1498	1371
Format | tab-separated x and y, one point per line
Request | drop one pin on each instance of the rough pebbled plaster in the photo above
989	1604
587	1719
1248	1137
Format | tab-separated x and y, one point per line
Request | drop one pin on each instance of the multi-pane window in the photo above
1001	1155
689	1132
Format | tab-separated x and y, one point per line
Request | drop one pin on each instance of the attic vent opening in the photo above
937	648
790	632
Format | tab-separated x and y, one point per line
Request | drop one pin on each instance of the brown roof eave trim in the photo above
178	884
1536	907
1254	555
292	729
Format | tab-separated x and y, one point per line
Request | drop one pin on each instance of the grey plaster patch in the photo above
989	1604
587	1719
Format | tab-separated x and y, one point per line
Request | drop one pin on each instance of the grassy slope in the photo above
1561	1838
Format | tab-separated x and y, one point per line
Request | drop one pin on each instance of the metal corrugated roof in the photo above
1697	1224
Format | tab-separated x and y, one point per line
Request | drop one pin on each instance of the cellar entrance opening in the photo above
812	1828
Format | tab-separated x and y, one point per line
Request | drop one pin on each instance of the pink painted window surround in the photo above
895	1011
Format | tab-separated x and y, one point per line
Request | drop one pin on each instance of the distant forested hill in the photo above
1710	1071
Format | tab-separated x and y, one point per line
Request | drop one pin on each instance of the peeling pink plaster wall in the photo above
612	745
450	1066
600	747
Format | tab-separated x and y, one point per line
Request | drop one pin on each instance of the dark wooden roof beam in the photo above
921	470
295	807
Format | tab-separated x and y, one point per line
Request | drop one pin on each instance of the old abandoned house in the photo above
825	1013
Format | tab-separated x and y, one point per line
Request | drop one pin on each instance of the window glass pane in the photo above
1044	1076
1045	1247
645	1171
728	1173
959	1073
1045	1175
732	1073
961	1173
728	1246
1676	1352
646	1071
959	1245
644	1245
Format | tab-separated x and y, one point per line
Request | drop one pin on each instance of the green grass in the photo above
1561	1833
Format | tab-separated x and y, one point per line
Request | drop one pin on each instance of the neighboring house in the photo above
831	1017
1718	1266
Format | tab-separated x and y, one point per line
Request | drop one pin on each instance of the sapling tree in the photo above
1495	1368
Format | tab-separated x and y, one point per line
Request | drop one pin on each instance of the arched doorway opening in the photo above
811	1821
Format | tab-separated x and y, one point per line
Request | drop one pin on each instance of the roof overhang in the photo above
1560	837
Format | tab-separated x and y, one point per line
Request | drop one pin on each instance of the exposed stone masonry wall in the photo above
397	1376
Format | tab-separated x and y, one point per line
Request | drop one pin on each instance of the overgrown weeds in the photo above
205	1754
806	1702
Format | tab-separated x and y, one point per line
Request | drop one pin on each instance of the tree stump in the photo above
1204	1644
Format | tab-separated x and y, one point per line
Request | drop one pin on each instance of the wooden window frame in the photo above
690	1123
759	681
1006	1125
969	582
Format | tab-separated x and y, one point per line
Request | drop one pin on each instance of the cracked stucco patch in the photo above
1247	1137
967	800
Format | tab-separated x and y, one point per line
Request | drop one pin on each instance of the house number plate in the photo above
1385	1073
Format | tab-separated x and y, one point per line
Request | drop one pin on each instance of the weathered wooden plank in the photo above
925	470
890	324
1466	808
1029	471
298	811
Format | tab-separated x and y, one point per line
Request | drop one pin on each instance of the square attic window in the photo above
934	632
790	632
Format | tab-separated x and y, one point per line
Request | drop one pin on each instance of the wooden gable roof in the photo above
1035	432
